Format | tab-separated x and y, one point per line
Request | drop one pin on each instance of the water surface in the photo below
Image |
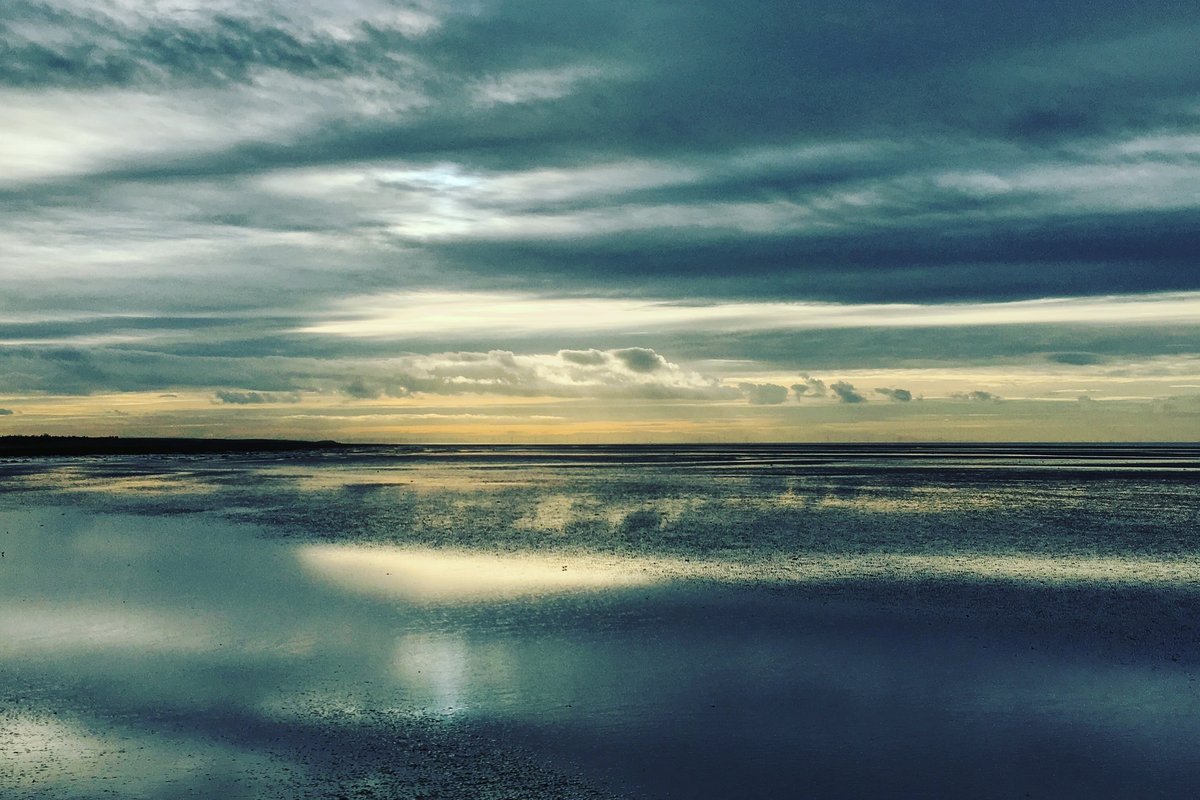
567	622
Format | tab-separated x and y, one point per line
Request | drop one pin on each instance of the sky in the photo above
570	221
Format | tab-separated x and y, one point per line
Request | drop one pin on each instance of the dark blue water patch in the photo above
735	694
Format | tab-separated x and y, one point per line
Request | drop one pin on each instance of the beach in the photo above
602	622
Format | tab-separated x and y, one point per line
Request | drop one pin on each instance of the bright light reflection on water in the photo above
441	576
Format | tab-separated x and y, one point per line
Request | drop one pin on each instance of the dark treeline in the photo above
46	445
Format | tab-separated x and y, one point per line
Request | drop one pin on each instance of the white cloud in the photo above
629	372
432	313
764	394
529	85
810	387
51	134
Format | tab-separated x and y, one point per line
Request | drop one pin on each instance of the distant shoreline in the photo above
50	445
46	445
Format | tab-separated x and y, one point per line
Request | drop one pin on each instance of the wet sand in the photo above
167	635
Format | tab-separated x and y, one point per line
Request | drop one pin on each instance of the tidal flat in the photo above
574	622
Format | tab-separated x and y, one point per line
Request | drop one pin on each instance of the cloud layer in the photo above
697	200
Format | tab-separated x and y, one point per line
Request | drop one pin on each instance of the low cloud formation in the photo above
764	394
640	359
6	412
811	387
360	390
899	395
633	372
846	393
977	396
255	398
589	358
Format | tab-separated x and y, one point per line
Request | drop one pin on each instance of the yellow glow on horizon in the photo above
1153	399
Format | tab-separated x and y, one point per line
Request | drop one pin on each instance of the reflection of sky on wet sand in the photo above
67	759
432	576
425	479
225	663
59	627
428	575
556	513
84	478
715	505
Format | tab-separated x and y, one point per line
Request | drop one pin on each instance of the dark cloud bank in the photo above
912	132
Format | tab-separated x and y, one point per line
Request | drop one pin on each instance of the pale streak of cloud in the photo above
524	86
448	202
60	133
1096	187
431	313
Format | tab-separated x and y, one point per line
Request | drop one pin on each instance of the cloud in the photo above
208	48
624	372
763	394
846	393
977	396
276	138
341	198
590	358
400	315
812	387
899	395
640	359
255	398
359	390
628	372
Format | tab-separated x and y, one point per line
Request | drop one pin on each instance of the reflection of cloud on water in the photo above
454	577
458	576
433	666
191	592
181	656
669	510
1070	570
236	663
69	759
178	484
137	653
558	513
424	479
917	500
561	513
554	512
61	627
95	480
1060	570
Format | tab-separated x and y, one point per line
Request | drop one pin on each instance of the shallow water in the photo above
699	623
